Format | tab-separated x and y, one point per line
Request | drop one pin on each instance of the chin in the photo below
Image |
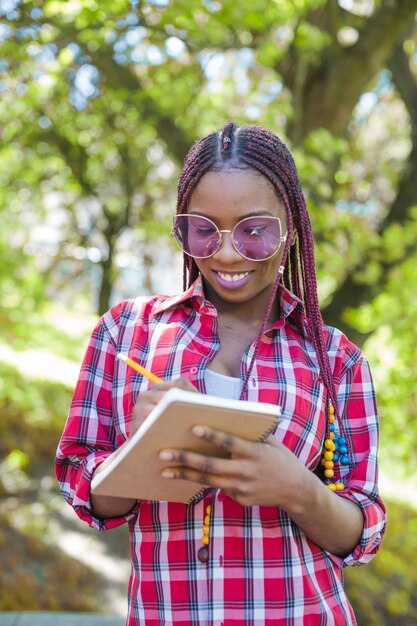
239	296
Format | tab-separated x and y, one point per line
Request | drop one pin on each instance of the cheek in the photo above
273	264
200	265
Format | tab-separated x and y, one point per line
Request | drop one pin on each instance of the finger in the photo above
148	400
226	483
144	405
155	393
236	488
273	441
236	446
180	383
203	465
185	473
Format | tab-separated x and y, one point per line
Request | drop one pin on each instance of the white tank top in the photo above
222	386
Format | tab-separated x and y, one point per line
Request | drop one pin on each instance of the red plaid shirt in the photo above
262	569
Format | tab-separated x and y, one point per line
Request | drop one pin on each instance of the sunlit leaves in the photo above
385	593
310	40
100	101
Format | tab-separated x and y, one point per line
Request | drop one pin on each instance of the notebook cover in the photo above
136	471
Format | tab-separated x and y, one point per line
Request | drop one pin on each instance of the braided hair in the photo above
254	147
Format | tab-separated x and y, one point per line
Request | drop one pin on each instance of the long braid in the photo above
253	147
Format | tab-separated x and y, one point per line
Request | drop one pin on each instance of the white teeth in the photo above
232	278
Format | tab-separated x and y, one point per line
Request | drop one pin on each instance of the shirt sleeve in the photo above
360	426
89	436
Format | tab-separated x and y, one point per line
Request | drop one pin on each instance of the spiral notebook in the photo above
135	472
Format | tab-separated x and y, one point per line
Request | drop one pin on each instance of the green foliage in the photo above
99	103
385	591
22	330
310	40
31	422
34	576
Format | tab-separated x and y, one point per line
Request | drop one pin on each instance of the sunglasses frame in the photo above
282	239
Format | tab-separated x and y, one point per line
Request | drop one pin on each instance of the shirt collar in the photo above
195	292
291	306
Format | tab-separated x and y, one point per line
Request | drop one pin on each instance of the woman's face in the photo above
226	197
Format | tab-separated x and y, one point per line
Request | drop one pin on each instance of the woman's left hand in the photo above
268	474
255	473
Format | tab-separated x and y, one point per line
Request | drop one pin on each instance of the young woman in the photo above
267	542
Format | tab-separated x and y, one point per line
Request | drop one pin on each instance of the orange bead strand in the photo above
203	553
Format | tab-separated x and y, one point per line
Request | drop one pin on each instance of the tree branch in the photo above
334	87
351	293
74	156
121	77
406	83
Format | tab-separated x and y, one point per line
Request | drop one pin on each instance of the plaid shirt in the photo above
262	569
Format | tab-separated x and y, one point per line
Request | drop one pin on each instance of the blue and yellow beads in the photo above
335	449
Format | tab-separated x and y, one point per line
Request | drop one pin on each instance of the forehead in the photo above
235	193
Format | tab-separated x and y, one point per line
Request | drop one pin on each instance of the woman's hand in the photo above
269	474
109	506
256	473
148	400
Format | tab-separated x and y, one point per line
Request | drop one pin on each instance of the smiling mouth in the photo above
233	278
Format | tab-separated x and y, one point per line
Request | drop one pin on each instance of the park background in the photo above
99	102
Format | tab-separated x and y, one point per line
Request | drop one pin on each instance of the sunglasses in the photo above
255	238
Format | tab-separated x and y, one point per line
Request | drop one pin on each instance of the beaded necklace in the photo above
334	449
203	553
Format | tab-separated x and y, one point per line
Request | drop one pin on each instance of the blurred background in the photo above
99	102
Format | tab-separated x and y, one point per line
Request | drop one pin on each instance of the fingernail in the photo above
167	474
198	431
165	455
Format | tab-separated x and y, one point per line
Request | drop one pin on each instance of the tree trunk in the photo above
351	293
147	266
332	89
107	281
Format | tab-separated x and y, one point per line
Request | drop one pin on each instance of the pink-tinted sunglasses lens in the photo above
257	238
196	235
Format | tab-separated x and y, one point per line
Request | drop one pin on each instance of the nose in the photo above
227	252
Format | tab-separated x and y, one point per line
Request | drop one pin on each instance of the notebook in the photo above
135	472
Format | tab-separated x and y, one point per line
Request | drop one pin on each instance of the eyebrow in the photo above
251	214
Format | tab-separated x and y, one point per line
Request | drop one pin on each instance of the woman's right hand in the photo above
148	400
107	506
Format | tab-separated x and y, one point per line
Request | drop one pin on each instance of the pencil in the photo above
139	368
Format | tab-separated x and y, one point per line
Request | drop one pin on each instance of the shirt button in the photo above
221	496
193	370
204	309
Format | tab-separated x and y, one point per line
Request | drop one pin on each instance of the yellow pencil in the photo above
139	368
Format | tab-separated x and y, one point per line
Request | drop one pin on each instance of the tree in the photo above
97	159
130	71
99	87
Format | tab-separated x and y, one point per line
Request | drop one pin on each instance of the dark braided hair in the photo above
253	147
